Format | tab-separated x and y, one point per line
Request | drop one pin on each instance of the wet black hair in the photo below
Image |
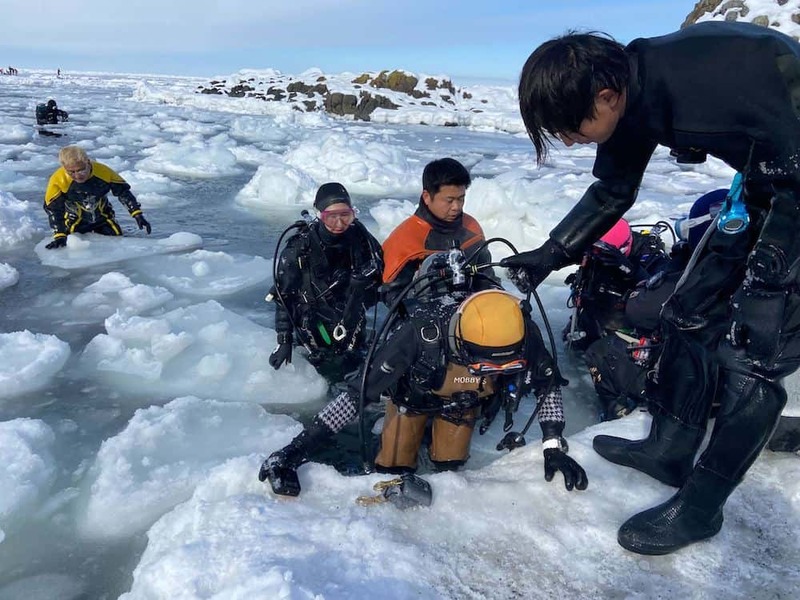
444	171
560	81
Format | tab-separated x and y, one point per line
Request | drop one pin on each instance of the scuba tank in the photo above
455	260
41	114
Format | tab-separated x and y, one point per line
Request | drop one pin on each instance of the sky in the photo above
459	38
137	403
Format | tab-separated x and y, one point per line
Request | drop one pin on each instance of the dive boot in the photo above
691	515
281	471
281	466
666	454
786	437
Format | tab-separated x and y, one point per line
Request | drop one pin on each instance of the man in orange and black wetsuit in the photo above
76	199
438	221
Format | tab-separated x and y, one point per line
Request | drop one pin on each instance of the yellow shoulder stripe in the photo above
106	173
59	184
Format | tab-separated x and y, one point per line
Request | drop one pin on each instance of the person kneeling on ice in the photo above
76	200
450	362
608	271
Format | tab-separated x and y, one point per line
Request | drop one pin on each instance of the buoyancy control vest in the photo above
436	384
325	282
600	288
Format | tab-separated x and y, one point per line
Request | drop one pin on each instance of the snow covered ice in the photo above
88	250
136	401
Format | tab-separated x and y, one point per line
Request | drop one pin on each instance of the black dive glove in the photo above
283	351
613	258
528	269
556	459
59	242
142	223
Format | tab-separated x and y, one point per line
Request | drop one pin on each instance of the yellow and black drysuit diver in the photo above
450	361
326	282
732	327
74	207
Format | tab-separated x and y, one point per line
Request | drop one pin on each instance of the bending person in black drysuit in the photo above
732	328
50	114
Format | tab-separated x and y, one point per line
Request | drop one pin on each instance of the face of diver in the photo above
447	204
80	172
337	217
609	107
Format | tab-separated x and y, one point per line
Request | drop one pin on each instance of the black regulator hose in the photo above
658	227
527	296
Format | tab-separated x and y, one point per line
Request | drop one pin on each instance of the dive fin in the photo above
406	491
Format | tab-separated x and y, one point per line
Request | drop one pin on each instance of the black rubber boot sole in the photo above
786	437
667	528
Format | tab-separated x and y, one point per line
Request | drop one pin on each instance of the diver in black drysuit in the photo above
327	279
732	327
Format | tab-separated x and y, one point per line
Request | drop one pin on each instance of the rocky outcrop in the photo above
734	10
357	97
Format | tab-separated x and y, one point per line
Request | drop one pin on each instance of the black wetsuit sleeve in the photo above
122	190
389	364
366	278
619	167
289	281
540	362
390	292
546	383
56	211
